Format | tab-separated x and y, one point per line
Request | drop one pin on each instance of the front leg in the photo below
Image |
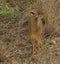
32	42
38	39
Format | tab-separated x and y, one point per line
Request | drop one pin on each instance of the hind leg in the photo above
39	43
32	42
38	39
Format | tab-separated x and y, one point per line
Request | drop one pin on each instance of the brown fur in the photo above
35	28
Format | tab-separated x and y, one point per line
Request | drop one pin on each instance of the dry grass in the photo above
15	46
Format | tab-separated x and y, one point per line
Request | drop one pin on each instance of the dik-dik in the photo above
35	28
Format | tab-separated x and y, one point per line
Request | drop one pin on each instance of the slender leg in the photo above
32	42
39	43
38	35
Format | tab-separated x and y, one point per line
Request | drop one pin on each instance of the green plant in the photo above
9	11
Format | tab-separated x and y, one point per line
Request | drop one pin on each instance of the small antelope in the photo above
35	28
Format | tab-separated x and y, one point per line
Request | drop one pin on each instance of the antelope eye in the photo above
32	13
